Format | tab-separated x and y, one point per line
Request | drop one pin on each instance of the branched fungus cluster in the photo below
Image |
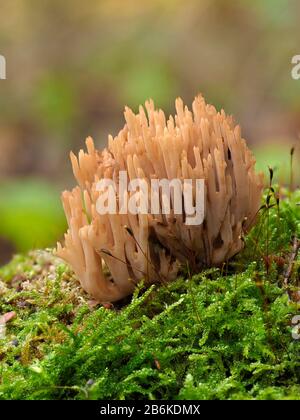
110	253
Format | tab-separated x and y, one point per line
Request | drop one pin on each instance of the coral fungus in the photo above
110	253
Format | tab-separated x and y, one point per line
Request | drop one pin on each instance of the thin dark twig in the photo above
130	232
106	252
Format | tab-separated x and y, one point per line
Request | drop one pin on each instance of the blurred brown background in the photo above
73	65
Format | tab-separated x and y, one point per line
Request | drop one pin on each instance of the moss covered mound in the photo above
221	334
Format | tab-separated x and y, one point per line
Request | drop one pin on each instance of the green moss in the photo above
222	334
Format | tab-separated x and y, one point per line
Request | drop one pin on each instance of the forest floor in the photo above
225	333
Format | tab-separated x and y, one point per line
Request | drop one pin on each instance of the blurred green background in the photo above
73	65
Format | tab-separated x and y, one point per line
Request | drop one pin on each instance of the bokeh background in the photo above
73	65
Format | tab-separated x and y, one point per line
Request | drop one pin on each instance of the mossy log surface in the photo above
225	333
